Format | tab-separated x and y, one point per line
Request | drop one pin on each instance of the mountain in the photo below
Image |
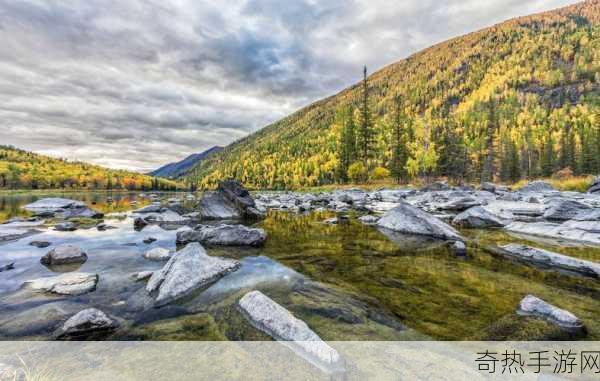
21	169
178	169
518	99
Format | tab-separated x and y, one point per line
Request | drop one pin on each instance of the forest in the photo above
518	100
21	169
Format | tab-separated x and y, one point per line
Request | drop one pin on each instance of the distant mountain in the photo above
520	99
180	168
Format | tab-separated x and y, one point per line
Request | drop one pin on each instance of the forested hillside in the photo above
180	168
26	170
519	99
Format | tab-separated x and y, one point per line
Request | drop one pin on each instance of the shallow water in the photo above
347	281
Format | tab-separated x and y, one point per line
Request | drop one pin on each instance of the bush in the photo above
357	172
380	173
564	173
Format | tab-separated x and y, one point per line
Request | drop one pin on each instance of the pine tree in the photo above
365	133
488	171
547	162
399	148
347	142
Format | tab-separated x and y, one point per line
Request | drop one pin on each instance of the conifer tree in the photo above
487	173
399	147
365	133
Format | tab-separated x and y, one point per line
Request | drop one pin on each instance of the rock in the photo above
223	235
7	234
537	186
74	283
562	210
552	260
436	186
268	316
577	231
509	210
158	254
64	254
10	266
139	223
65	227
187	270
90	322
149	240
230	201
368	219
595	187
408	219
61	207
103	227
459	203
479	218
533	306
487	186
588	215
142	275
39	244
152	208
459	248
331	221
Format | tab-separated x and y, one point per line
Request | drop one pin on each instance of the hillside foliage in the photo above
21	169
517	100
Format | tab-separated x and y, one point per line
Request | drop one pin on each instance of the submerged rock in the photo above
187	270
408	219
74	283
142	275
10	266
89	323
223	235
64	254
149	240
39	244
9	234
65	227
533	306
158	254
552	260
268	316
478	217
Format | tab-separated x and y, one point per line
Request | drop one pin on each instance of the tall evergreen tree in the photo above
547	161
365	132
399	147
488	171
347	142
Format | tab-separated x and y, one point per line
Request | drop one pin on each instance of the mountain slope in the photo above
178	169
539	73
20	169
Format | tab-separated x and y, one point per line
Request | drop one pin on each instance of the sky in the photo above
136	84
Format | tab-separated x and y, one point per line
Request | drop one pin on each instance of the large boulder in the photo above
534	306
230	201
479	218
64	254
223	235
90	323
274	320
552	260
62	208
187	270
408	219
595	187
537	186
74	283
562	210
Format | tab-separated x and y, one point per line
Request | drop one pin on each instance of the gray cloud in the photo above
134	84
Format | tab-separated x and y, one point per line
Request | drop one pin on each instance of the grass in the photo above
571	183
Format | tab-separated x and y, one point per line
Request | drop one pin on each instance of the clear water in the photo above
347	281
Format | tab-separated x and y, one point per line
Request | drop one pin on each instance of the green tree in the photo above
365	131
399	146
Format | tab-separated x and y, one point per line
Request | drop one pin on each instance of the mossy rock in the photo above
515	327
199	327
85	222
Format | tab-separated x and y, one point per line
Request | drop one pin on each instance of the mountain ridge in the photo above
179	168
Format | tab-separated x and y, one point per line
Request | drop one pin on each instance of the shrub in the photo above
380	173
357	172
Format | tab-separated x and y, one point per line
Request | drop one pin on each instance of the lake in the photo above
347	281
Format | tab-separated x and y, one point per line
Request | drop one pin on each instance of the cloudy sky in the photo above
135	84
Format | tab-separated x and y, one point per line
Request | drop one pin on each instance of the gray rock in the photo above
223	235
65	227
552	260
595	187
459	203
10	266
149	240
268	316
576	231
214	206
39	244
233	191
537	186
230	201
187	270
64	254
90	322
436	186
74	283
408	219
479	218
533	306
368	219
562	210
152	208
331	221
142	275
61	207
487	186
459	248
588	215
139	223
10	234
158	254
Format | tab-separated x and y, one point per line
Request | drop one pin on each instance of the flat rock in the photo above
158	254
65	227
187	270
223	235
537	186
460	203
39	244
7	234
61	207
152	208
86	323
576	231
552	260
562	210
64	254
479	218
408	219
268	316
534	306
74	283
